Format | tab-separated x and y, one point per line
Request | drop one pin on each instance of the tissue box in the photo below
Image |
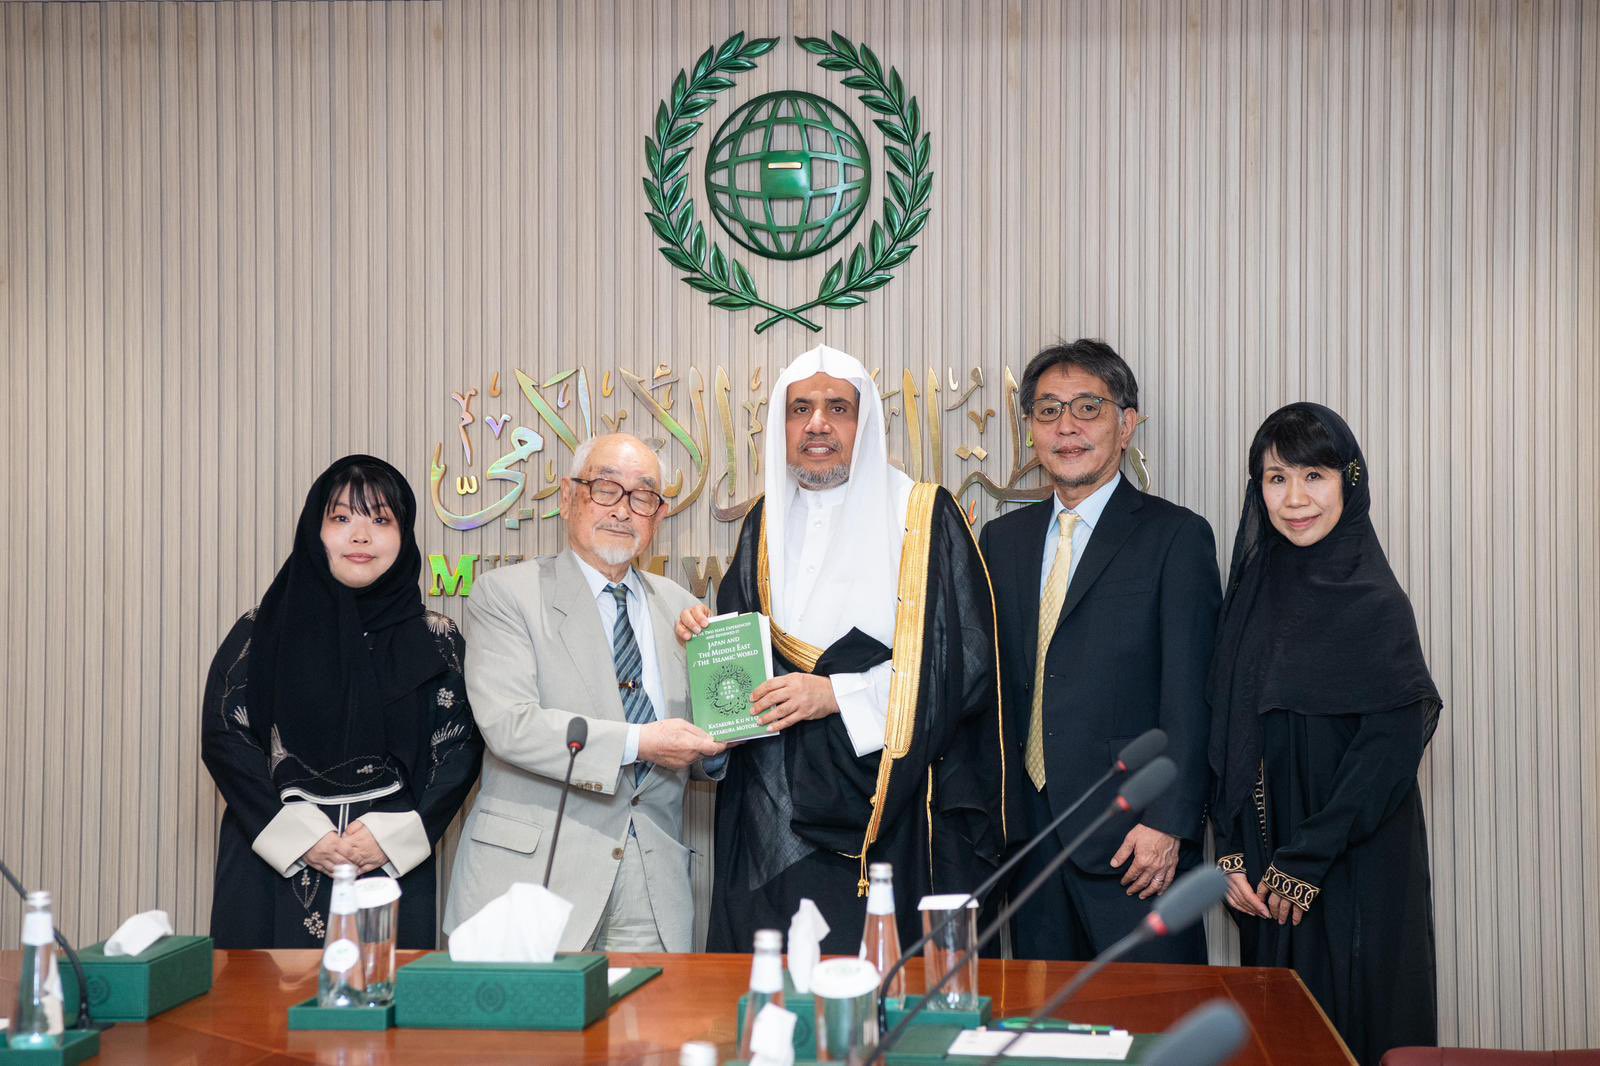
963	1019
76	1046
804	1008
435	992
135	988
309	1016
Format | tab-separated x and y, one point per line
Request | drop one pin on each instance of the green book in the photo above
728	660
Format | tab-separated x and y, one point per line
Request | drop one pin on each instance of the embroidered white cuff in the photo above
291	833
402	837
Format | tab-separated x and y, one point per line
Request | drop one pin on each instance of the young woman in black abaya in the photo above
335	722
1322	706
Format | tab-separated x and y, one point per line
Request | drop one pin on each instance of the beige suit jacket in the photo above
537	655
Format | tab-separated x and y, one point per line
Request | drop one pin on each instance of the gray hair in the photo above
580	458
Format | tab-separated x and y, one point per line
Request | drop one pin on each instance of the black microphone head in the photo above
1142	789
1141	750
1188	900
577	733
1206	1036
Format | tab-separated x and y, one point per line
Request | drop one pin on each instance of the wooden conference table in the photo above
244	1019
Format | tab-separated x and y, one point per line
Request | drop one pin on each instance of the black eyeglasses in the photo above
606	492
1085	408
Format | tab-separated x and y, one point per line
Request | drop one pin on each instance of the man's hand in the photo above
1241	899
691	622
1278	907
793	698
676	743
362	847
328	852
1155	860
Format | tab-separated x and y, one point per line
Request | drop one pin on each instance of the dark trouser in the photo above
1076	915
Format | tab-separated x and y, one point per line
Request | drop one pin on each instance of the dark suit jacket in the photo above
1130	653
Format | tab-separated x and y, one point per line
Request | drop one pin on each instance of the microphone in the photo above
1133	757
85	1020
1207	1036
577	737
1185	903
1136	794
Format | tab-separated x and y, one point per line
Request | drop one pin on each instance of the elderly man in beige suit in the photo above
586	633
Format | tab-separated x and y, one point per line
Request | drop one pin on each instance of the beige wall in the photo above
237	241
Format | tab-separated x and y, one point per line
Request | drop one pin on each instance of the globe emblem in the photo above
788	175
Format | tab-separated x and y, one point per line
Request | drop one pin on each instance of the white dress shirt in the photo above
639	618
863	698
1088	512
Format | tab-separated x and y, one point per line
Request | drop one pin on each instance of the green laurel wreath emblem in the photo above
705	266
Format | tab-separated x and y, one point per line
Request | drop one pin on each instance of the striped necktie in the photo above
630	671
1055	594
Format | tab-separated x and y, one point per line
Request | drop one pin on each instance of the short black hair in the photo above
1299	437
1093	356
372	489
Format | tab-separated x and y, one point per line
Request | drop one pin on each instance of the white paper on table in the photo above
616	973
1044	1045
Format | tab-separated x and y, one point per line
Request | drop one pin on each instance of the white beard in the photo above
616	556
816	480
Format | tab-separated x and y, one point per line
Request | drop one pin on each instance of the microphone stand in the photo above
85	1021
573	748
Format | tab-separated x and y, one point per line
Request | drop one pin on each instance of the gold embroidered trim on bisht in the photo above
1300	893
906	655
1231	864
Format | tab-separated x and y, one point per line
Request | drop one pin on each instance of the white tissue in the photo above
806	930
772	1037
524	925
138	933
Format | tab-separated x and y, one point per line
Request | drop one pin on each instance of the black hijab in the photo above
1320	630
333	670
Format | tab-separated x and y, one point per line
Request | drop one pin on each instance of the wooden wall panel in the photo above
238	240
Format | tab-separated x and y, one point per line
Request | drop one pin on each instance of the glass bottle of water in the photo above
37	1020
880	937
766	983
341	982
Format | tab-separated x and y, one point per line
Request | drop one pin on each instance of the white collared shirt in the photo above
1088	512
863	698
643	633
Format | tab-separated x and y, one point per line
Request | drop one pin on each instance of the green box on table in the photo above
435	992
136	988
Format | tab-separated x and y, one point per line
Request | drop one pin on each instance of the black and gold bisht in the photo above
801	816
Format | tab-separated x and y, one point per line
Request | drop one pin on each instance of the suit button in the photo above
636	801
616	853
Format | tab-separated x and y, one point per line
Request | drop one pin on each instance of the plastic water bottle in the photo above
766	983
880	937
36	1021
342	982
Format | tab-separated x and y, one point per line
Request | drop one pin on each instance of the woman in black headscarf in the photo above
336	723
1322	705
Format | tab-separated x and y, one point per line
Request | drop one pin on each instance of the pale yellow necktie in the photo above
1055	594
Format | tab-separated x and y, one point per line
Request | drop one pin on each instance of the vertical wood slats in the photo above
241	239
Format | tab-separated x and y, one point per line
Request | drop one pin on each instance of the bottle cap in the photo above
769	940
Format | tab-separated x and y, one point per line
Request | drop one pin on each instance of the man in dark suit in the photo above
1107	602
